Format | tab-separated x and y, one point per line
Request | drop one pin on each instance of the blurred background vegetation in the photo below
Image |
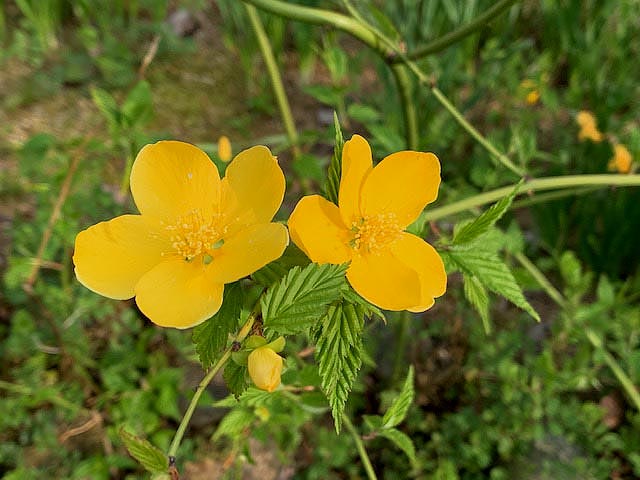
85	84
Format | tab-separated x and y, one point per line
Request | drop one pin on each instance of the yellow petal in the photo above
265	368
112	256
178	294
257	183
247	251
356	164
385	281
403	184
170	179
317	229
417	254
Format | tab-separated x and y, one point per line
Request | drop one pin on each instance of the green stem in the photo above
542	280
403	83
548	183
323	17
622	377
482	140
242	334
452	37
549	196
371	474
402	329
276	79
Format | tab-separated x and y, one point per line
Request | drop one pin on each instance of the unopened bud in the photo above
265	367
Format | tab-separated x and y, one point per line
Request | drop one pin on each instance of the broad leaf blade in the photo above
302	297
481	225
235	378
149	456
400	406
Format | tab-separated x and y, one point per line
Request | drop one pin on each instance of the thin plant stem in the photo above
550	196
548	183
276	79
371	474
481	139
403	83
454	36
592	336
242	334
402	329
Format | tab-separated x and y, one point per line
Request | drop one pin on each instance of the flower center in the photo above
193	235
372	233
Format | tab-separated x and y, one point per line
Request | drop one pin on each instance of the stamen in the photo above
373	233
193	235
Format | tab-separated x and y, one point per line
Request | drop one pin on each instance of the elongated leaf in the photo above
302	297
107	106
211	336
138	106
402	441
400	406
334	173
485	221
339	354
149	456
477	296
493	274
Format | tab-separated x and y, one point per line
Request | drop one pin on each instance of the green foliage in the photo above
339	354
335	167
398	410
149	456
302	297
212	336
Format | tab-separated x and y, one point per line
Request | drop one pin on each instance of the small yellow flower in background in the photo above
390	268
224	148
622	160
265	368
588	127
195	232
532	97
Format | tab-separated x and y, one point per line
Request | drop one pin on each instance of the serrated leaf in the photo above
338	351
234	423
481	225
211	337
274	271
403	442
370	310
400	406
477	296
234	377
149	456
334	172
493	274
302	297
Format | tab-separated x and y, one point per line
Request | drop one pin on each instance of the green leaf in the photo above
234	423
477	296
493	274
481	225
370	310
138	106
403	442
274	271
107	106
211	337
149	456
335	167
400	406
234	377
339	354
302	297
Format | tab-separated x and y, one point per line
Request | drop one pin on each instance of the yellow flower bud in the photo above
265	367
224	148
588	127
532	97
621	160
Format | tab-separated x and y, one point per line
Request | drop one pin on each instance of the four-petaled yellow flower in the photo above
588	127
195	232
265	368
389	267
621	161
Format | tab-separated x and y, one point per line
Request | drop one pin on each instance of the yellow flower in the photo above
224	148
621	161
588	127
195	232
265	367
532	97
390	268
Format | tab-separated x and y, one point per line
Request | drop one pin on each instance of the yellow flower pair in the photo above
197	232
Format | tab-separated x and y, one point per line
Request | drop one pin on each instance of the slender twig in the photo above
542	280
408	105
453	36
276	79
371	474
53	218
242	334
548	183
